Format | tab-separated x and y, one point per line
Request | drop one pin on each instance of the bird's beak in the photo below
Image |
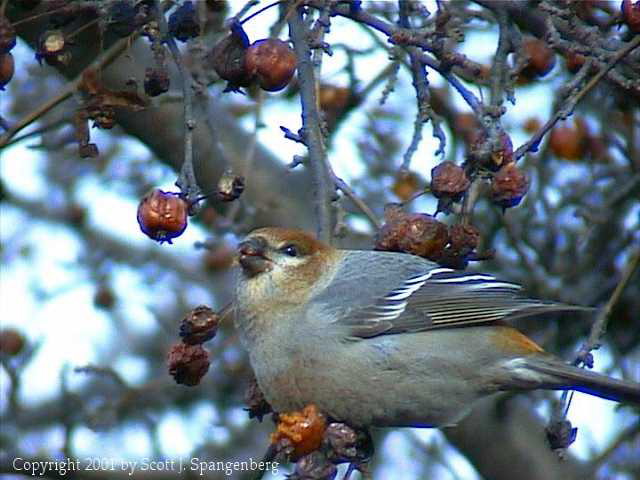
252	256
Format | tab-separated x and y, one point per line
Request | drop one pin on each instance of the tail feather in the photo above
561	376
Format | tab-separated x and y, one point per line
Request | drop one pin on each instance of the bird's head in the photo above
281	265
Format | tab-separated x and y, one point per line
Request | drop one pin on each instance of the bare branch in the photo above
312	126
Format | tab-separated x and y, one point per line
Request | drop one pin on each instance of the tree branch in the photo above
312	127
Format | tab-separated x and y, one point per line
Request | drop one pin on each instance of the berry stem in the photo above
186	181
254	14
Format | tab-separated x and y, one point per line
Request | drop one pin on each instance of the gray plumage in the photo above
389	339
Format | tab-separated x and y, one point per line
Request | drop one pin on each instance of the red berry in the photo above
7	69
631	14
273	62
163	215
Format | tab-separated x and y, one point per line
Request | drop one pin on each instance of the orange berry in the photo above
304	429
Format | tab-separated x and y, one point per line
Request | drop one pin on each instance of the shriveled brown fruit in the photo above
187	364
463	239
11	341
230	186
449	180
183	23
156	81
273	62
199	325
508	186
345	444
104	297
228	60
219	258
574	61
314	466
406	185
416	233
541	58
333	98
492	156
570	141
467	126
257	405
162	216
304	429
531	125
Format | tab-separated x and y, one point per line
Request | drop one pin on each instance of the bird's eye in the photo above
290	250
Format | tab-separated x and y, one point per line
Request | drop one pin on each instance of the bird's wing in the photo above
422	296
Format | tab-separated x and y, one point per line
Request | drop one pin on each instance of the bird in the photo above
389	339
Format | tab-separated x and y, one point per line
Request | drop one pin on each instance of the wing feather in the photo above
426	296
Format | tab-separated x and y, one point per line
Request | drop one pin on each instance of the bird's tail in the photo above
556	375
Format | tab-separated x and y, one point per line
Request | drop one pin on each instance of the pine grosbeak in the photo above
388	339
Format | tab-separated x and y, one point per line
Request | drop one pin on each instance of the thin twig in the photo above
533	142
44	14
358	202
627	434
312	127
599	326
37	131
187	178
421	85
82	28
105	59
470	199
500	67
248	6
250	155
267	459
466	94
